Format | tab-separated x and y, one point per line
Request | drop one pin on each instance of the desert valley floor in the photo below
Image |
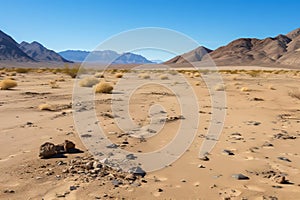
260	140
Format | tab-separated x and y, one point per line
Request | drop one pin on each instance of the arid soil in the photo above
256	156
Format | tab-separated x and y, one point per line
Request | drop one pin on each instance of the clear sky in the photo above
83	24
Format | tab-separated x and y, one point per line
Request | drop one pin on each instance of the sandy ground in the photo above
261	125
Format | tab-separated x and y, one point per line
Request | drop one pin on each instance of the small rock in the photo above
47	150
183	180
227	152
68	145
204	158
131	156
160	190
240	177
138	171
89	165
284	159
112	146
116	182
97	165
201	166
72	187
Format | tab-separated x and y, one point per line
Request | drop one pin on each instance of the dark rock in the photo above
137	171
131	156
227	152
284	159
204	158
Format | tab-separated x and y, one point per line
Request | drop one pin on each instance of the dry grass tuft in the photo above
198	83
163	77
144	76
88	82
103	87
7	84
197	74
47	107
295	94
53	84
245	89
118	75
99	75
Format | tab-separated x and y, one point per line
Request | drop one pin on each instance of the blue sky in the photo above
70	24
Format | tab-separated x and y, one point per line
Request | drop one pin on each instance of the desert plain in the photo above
259	139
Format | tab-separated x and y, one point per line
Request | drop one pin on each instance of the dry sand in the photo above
261	125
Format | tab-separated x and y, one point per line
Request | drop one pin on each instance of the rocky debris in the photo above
9	191
236	136
284	159
240	177
254	123
48	149
172	118
284	136
267	144
281	179
160	190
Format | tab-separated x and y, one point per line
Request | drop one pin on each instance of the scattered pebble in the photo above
240	177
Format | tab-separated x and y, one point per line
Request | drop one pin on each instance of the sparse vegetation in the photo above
99	75
7	84
88	81
197	74
103	87
53	84
119	75
144	76
163	77
23	70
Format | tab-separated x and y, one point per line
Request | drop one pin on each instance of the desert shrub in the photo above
295	94
245	89
69	71
118	75
144	76
173	72
103	87
88	82
99	75
220	87
23	70
163	77
8	84
60	79
197	74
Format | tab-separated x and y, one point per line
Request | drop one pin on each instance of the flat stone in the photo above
240	177
227	152
284	159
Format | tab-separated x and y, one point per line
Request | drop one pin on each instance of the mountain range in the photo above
105	56
10	50
280	50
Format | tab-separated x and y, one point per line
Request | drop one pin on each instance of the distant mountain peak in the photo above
40	53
